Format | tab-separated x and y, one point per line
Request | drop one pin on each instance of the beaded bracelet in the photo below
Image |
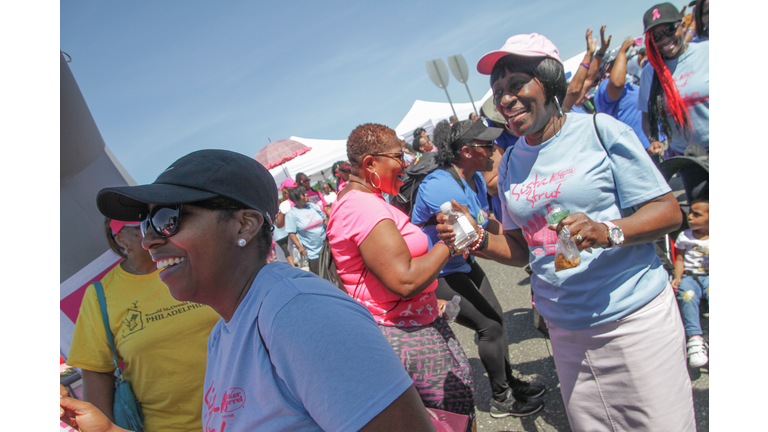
474	246
586	65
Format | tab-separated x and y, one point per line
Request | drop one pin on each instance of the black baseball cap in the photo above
662	13
198	176
478	131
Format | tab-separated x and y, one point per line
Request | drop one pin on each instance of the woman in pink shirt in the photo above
385	263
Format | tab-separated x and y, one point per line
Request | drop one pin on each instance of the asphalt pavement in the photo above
531	356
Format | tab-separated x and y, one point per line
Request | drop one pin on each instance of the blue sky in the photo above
166	78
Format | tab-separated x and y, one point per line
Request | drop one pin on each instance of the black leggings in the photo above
481	311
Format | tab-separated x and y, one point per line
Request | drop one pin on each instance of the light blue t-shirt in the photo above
624	109
440	187
308	224
573	170
691	74
328	368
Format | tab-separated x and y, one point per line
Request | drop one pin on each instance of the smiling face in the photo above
198	259
520	99
669	39
481	155
390	168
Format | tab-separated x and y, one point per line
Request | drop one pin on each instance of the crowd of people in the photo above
287	350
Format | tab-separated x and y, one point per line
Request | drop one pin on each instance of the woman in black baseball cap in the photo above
674	88
207	221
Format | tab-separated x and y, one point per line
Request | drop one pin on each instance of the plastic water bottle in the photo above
465	233
452	308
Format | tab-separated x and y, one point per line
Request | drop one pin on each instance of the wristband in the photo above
451	249
599	54
586	65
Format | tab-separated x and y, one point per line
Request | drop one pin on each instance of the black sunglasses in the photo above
668	31
398	156
164	220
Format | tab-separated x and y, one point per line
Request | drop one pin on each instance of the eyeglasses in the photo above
164	220
398	156
489	145
668	31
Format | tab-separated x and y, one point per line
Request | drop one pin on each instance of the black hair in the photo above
701	31
296	193
447	140
417	140
299	175
549	72
111	239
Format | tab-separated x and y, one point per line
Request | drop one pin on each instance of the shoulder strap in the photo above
455	174
599	137
105	318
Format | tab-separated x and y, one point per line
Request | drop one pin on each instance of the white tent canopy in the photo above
428	114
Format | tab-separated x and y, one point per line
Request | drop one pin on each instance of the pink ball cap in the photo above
288	183
528	45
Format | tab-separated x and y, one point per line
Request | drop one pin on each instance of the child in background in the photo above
691	279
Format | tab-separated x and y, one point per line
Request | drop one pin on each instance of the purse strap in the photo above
105	318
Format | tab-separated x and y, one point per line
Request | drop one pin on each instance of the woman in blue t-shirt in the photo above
305	226
615	328
464	151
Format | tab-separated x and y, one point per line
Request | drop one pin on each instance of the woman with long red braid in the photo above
675	84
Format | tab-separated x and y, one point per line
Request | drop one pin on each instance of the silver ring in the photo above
579	238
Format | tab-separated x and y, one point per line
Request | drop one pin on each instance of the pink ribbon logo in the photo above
656	14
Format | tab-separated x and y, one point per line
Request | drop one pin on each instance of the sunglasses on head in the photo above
666	32
164	220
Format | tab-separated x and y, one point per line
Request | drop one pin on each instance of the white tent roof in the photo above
316	163
427	114
572	64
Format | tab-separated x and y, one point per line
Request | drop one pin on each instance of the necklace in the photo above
132	267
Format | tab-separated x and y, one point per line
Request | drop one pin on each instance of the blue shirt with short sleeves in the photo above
623	109
308	225
440	187
572	169
323	364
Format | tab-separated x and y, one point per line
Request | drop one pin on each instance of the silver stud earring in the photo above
241	242
467	156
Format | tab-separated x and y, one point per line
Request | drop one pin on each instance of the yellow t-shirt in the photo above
162	342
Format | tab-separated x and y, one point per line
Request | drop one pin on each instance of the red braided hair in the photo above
674	102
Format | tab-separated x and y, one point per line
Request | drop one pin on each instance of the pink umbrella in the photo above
277	153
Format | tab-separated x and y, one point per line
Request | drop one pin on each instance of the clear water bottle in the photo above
465	233
452	308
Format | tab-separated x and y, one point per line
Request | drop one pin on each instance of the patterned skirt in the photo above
433	358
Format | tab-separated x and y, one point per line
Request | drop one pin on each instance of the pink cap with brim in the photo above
528	45
117	225
288	183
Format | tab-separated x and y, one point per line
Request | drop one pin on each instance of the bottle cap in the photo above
456	299
446	207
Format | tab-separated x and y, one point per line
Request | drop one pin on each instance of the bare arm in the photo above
619	72
508	248
295	239
99	389
386	255
655	147
491	177
594	68
653	219
577	82
280	220
679	267
407	412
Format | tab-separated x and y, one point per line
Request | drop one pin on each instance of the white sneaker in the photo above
698	351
